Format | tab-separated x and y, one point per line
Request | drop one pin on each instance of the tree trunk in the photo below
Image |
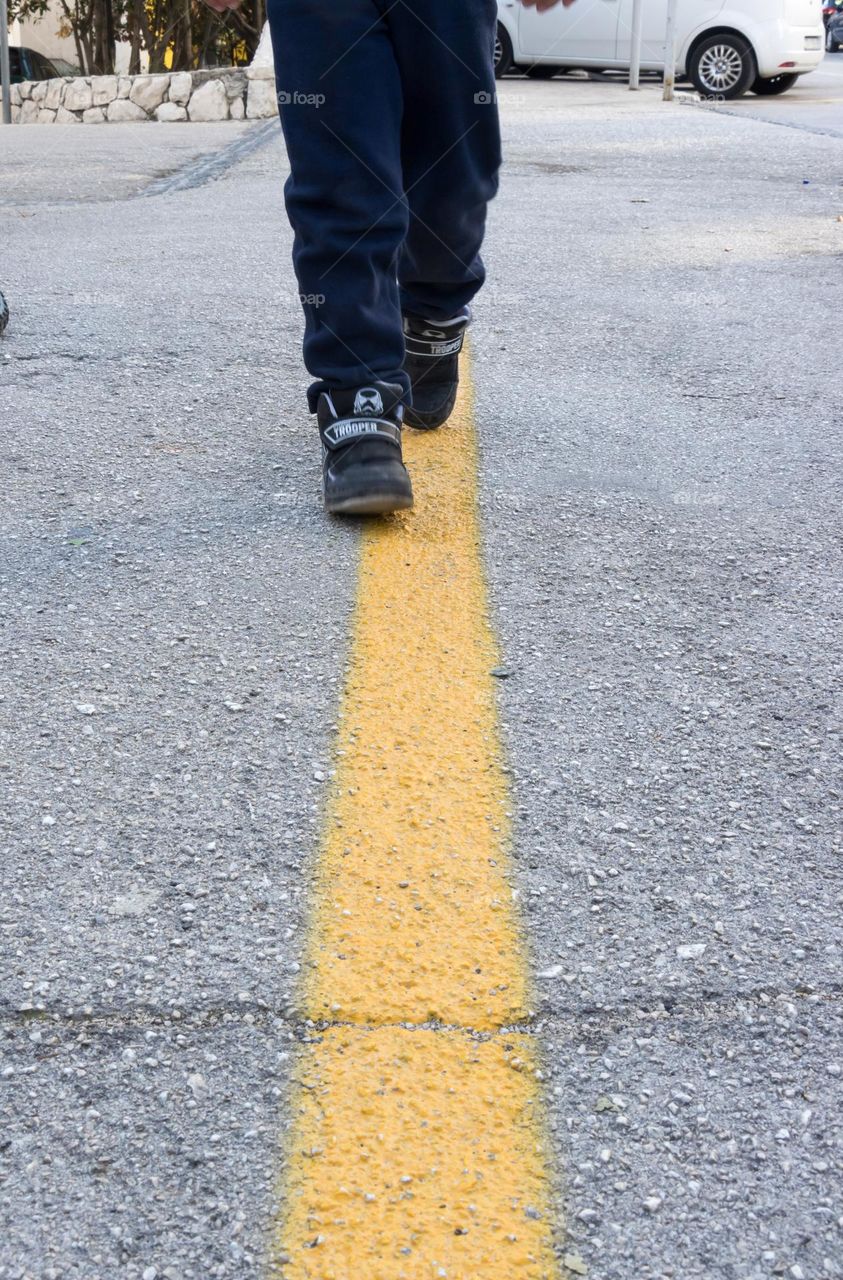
77	40
73	21
203	50
134	50
188	37
82	24
110	40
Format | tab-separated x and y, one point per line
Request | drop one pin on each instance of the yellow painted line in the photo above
415	1155
417	1151
413	913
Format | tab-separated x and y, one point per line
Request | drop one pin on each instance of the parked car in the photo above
28	64
831	8
834	34
725	47
65	68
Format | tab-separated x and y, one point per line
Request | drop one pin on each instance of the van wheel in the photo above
503	52
722	66
767	87
541	71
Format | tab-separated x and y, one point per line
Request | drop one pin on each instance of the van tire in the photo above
503	52
768	86
722	66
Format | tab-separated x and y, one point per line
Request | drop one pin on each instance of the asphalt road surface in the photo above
814	103
658	415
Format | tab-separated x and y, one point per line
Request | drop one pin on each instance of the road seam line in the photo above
212	165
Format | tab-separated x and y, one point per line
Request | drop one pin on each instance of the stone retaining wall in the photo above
220	94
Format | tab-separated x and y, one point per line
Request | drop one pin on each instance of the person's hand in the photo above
220	6
544	5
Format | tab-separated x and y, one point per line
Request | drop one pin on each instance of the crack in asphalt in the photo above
258	1013
670	1008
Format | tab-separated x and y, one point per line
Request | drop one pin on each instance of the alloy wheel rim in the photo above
721	67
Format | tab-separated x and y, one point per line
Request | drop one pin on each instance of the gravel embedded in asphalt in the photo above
660	484
661	489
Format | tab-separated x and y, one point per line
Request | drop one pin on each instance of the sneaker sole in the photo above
419	424
428	421
373	504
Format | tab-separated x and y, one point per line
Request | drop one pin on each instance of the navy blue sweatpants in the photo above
389	115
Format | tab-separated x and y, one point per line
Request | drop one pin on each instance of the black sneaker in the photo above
432	363
362	468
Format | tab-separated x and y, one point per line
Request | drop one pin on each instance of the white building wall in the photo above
42	35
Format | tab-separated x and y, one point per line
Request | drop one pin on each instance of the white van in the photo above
725	47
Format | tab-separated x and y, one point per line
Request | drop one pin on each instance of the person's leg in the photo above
340	100
450	152
450	149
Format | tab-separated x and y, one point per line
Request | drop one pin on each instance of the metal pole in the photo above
5	74
637	31
670	51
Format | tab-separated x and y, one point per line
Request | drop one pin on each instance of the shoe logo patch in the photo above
350	429
368	400
341	429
